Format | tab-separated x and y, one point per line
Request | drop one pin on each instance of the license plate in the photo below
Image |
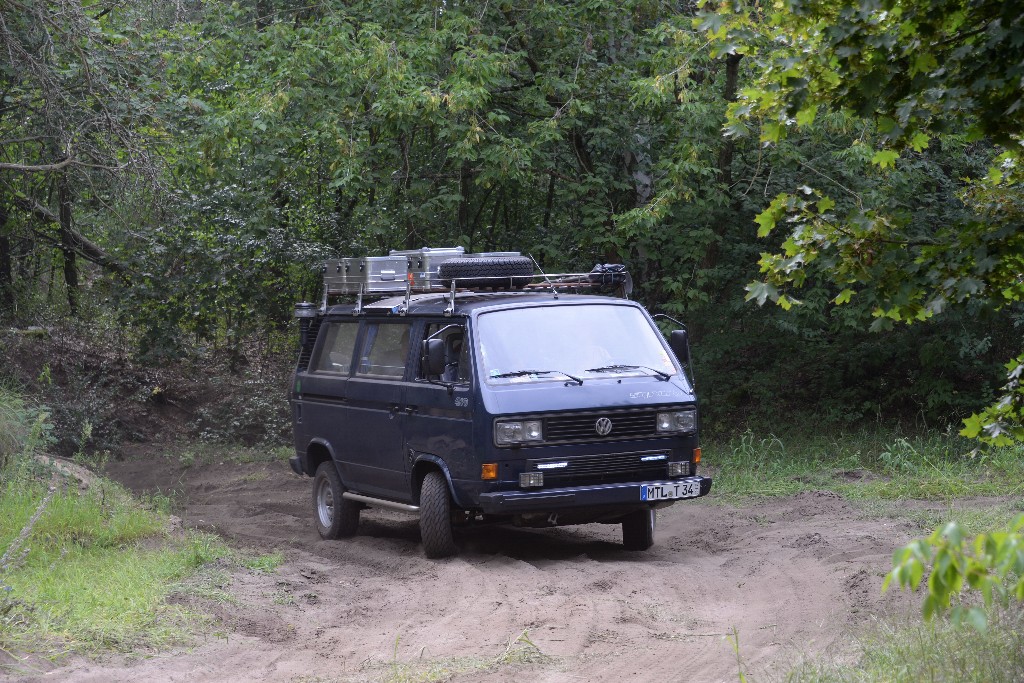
670	490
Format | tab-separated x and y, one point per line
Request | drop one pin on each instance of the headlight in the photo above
518	431
684	421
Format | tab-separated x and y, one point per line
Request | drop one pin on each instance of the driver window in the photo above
456	351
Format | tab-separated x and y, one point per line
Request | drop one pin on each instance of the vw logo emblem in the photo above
603	427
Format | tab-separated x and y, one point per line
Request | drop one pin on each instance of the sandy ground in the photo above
791	577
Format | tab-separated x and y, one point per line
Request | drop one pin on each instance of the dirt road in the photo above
792	577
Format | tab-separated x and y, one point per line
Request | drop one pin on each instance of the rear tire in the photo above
335	516
436	517
496	272
638	529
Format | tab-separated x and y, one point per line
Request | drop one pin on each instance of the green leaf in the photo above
771	131
766	222
953	533
972	427
885	158
805	116
761	292
977	618
928	608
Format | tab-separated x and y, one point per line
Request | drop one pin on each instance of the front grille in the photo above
601	469
583	426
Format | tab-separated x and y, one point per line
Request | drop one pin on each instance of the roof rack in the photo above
422	271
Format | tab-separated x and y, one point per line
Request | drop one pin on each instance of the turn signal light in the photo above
489	470
696	456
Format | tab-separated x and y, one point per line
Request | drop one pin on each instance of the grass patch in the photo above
86	571
974	516
264	563
94	572
866	465
519	651
934	651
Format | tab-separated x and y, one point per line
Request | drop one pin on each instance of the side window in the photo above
336	352
385	350
456	351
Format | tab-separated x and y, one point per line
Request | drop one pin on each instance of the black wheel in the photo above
638	529
335	516
436	517
498	272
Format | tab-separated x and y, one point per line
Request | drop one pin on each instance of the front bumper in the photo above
554	500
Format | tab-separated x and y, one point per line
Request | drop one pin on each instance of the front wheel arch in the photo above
424	464
317	452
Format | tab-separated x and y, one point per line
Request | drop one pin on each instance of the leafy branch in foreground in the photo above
993	565
919	78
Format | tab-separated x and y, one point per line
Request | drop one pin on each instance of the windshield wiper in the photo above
662	375
524	373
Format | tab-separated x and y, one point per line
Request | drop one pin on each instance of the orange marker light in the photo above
696	456
489	470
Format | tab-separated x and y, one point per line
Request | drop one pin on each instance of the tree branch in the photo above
85	247
37	168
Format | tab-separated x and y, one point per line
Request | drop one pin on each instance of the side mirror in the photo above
432	357
679	342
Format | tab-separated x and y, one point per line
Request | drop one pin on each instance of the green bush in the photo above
13	426
991	564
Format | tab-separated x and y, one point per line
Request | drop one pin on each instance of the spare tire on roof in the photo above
494	272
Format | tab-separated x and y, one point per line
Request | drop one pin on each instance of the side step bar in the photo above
377	502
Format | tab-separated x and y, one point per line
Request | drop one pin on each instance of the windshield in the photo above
554	343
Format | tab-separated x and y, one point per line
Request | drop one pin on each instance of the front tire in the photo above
638	529
335	516
436	517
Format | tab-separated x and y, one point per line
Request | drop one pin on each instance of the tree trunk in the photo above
464	185
6	270
489	244
549	204
67	243
725	154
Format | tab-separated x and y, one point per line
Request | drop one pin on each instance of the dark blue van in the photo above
535	408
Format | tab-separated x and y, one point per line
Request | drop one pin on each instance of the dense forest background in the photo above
172	174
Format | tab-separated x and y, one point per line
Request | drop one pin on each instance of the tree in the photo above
921	75
76	131
306	131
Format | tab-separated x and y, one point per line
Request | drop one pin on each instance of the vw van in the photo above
473	391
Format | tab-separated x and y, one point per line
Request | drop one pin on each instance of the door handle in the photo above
411	409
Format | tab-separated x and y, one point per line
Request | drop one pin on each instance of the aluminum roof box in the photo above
373	273
423	264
